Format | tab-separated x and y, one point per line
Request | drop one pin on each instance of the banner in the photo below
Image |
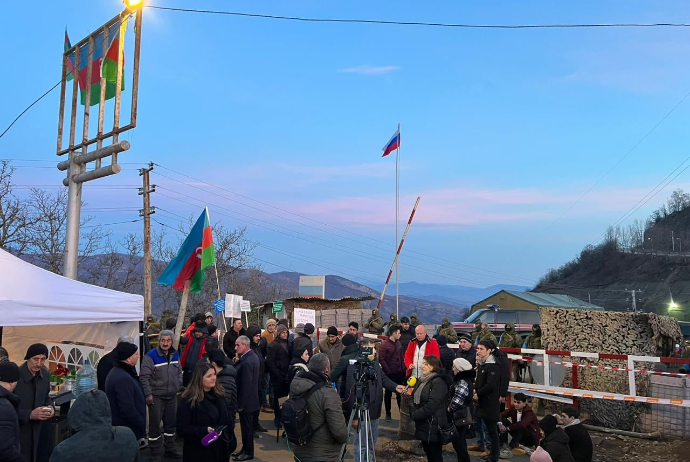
232	306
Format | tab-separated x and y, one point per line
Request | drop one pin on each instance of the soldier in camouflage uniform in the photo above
485	334
414	320
511	339
375	323
448	330
475	334
393	322
151	331
534	340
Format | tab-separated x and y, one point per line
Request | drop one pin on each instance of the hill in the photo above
646	257
464	296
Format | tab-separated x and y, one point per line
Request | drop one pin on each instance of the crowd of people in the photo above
199	392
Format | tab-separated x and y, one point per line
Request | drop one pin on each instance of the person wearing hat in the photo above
270	333
35	406
302	339
125	393
466	350
406	332
277	365
194	350
555	440
268	336
208	317
105	365
9	404
332	346
461	404
350	351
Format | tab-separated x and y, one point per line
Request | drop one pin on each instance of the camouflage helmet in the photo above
478	326
374	312
393	317
510	327
444	321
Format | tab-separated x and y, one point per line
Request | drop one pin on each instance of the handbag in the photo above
463	417
448	432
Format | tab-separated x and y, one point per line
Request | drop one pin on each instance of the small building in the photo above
329	312
512	300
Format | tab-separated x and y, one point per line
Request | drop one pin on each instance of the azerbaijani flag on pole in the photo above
393	144
195	255
69	61
101	66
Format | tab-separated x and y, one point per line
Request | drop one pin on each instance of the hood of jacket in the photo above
510	327
302	383
9	396
89	411
252	331
350	349
465	375
228	370
557	436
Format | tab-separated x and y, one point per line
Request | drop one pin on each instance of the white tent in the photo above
75	320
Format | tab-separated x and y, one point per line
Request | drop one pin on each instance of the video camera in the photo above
365	360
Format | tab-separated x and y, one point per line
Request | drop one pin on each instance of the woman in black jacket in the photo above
487	393
298	365
277	364
201	411
430	401
226	375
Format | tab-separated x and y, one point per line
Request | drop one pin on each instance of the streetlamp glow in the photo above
133	5
672	306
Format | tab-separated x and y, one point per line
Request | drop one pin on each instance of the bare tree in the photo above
14	214
678	201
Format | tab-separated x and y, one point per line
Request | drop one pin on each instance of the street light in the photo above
133	5
680	245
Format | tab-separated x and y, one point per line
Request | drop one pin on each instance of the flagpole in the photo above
215	266
397	212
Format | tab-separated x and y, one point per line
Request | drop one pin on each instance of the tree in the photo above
678	201
15	219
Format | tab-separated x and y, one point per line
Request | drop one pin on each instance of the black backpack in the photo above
294	417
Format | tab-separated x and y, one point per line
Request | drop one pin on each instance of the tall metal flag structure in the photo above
394	145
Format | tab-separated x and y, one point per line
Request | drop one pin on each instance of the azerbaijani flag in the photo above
393	144
101	66
195	255
69	61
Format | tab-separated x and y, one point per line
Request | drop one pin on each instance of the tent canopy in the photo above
31	296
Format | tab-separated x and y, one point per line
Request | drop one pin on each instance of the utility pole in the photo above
673	242
146	212
634	300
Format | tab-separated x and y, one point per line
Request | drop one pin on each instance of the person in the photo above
446	354
325	414
94	438
231	336
151	331
486	334
429	406
247	365
449	331
460	393
105	364
487	395
302	339
466	350
258	345
211	344
4	355
477	331
373	400
511	339
171	324
555	440
393	321
270	333
406	332
374	323
195	348
268	336
353	328
416	350
349	352
277	364
202	410
520	422
161	379
208	317
392	360
226	376
198	317
331	346
35	407
298	365
533	340
580	444
124	391
10	450
414	320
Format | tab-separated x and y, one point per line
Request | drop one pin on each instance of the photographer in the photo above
367	377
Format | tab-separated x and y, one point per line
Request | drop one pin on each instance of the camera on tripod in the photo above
365	360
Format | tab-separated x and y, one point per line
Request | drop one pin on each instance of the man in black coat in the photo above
105	364
258	347
407	332
124	391
35	406
247	364
466	350
9	424
302	340
349	352
581	446
487	395
231	336
278	363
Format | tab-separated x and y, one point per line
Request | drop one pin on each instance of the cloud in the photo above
370	70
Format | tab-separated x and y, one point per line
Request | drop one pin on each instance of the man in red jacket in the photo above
417	349
521	423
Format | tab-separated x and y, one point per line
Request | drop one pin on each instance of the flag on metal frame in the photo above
393	144
195	255
69	61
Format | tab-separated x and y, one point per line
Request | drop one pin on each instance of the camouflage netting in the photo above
610	332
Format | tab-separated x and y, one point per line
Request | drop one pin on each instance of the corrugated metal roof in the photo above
553	300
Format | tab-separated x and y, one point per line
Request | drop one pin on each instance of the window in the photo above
504	317
487	317
529	317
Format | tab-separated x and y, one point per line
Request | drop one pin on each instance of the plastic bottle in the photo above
86	379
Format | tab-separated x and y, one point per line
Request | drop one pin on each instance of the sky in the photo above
507	135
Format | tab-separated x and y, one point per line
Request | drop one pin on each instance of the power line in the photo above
111	224
416	23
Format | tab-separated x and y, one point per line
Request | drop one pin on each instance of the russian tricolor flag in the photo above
393	144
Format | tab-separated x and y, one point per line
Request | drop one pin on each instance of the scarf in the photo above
425	379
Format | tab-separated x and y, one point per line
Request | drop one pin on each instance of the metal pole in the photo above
397	254
146	213
634	302
397	212
181	314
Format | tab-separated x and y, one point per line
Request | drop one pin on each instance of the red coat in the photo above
529	421
431	349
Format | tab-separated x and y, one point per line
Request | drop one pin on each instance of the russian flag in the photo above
393	144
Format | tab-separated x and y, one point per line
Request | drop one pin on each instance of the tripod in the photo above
360	411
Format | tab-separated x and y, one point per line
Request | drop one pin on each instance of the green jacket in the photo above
375	325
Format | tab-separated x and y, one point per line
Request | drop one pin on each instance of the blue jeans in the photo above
374	435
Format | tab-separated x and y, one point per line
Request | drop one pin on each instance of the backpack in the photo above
294	417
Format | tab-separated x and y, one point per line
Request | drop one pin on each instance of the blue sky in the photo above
502	130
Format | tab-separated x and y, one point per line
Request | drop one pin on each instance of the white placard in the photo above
232	306
245	305
303	316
